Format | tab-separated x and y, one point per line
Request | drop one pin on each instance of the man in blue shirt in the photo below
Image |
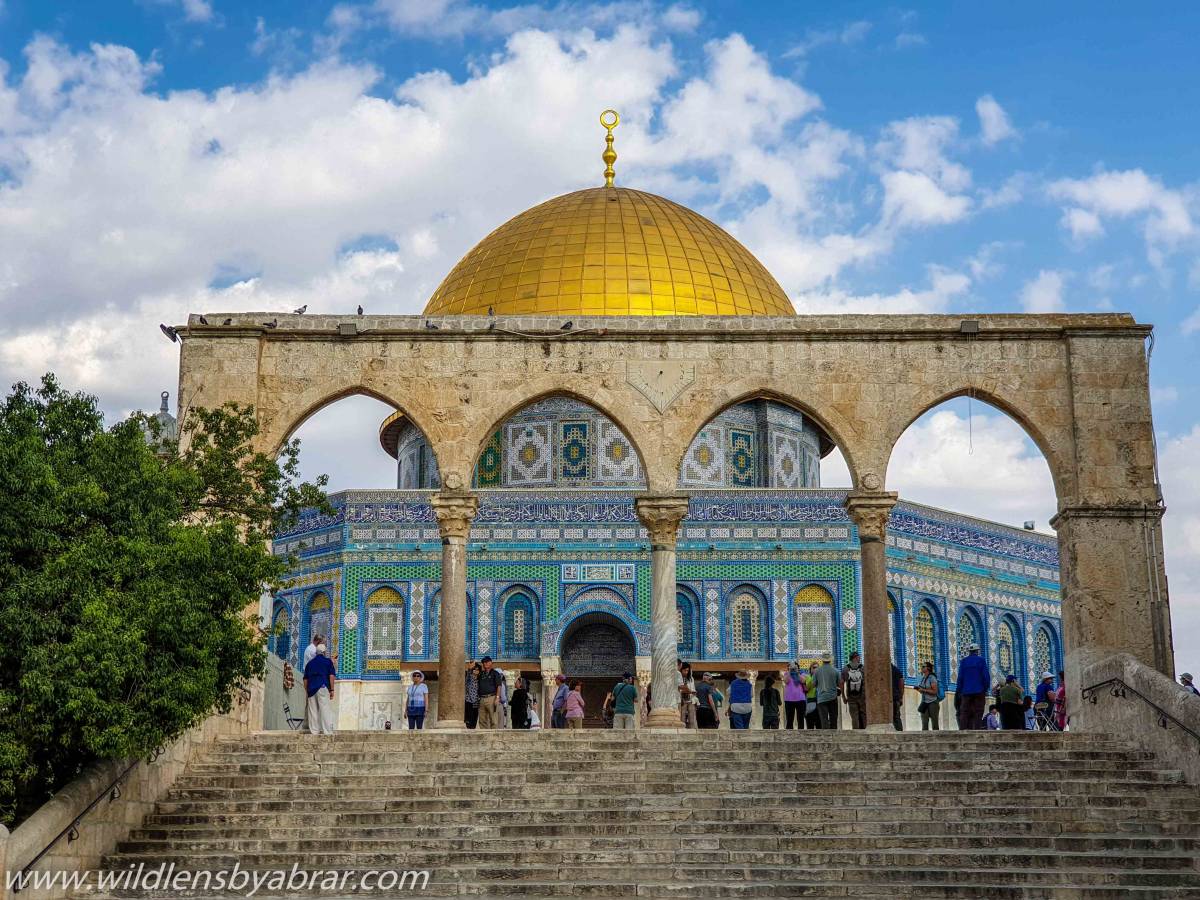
974	680
318	686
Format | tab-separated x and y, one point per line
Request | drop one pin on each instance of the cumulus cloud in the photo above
1181	537
1165	215
953	451
944	287
994	124
1044	293
921	184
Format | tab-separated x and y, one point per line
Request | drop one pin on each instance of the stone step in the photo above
789	846
674	835
896	868
472	788
715	769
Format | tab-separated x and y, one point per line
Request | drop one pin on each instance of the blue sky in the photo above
163	156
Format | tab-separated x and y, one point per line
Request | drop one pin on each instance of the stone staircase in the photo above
687	814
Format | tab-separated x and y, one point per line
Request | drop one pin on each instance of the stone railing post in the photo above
869	511
661	514
455	510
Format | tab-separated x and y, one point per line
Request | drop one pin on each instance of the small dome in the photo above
609	251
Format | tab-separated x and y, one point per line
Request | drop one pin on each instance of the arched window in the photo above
894	632
685	624
280	641
520	627
969	633
1045	651
320	619
925	637
745	624
385	623
1008	648
814	621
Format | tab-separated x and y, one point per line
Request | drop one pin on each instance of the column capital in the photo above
869	511
454	511
661	515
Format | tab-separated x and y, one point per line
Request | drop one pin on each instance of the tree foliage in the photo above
126	574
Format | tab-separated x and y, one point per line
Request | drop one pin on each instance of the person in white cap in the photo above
319	677
974	679
1186	680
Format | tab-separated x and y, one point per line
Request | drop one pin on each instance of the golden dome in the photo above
609	251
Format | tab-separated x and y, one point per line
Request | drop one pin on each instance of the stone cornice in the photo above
592	328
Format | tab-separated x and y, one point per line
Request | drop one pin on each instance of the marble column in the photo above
661	514
869	511
455	511
645	676
550	666
756	707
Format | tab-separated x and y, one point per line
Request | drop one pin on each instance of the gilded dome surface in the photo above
609	251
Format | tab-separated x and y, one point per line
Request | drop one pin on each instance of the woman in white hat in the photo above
418	701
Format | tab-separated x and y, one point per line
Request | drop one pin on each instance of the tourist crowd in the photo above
811	698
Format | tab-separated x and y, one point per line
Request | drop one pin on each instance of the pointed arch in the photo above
1047	651
813	608
280	640
969	631
929	637
699	418
687	621
1061	473
1010	648
590	449
519	623
746	622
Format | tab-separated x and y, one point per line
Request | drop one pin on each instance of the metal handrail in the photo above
71	832
1118	688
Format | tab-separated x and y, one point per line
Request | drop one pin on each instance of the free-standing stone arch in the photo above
1079	382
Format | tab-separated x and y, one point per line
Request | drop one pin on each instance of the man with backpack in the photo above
624	703
852	687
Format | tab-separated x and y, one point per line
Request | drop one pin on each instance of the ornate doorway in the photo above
596	649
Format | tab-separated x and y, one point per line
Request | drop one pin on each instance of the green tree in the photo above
126	574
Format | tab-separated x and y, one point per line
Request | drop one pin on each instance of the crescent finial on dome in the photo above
610	119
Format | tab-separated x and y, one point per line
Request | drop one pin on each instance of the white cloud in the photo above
980	461
197	10
919	144
944	287
1181	536
1165	214
456	19
994	124
1043	294
847	35
1012	190
1082	223
913	198
342	441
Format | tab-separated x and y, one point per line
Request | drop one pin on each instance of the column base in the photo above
664	718
450	724
889	728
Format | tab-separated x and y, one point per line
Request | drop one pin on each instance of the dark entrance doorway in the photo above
596	649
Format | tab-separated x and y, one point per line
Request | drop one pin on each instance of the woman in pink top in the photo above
794	696
574	706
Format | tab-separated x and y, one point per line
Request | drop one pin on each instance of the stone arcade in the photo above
656	334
